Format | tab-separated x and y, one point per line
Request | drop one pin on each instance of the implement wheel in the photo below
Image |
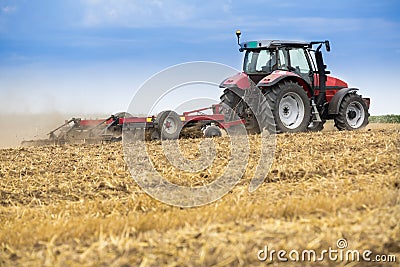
212	131
169	125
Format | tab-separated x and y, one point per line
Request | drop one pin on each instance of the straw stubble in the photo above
78	205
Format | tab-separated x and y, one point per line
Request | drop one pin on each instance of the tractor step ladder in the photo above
315	113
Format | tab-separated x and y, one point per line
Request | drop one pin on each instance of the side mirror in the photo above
327	46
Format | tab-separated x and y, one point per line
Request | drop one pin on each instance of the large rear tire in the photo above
231	104
353	113
234	108
290	107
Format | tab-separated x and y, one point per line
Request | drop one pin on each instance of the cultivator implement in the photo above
76	130
166	125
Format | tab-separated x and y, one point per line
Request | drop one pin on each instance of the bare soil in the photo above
77	205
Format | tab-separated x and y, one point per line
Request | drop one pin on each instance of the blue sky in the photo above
89	56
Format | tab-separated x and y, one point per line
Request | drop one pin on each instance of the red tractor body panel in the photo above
241	80
335	82
333	85
278	75
275	76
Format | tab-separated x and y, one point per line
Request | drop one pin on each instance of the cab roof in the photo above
272	44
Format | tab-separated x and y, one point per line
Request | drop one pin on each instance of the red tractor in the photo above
293	79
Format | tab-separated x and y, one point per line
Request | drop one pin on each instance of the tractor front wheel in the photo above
353	113
290	107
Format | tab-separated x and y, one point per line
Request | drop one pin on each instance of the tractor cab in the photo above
266	56
263	57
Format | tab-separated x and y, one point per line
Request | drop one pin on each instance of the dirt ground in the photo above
78	205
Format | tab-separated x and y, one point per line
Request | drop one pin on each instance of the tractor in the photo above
295	87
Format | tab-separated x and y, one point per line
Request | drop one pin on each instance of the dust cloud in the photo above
15	128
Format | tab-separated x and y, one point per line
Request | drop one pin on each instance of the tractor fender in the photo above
236	90
237	83
279	75
240	81
336	100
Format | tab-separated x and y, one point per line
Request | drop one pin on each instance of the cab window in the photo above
299	61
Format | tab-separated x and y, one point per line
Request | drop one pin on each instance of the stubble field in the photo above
78	205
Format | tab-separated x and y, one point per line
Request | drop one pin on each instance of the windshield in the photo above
260	61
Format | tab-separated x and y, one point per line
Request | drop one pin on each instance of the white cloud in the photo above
323	24
227	7
220	15
126	13
152	13
8	9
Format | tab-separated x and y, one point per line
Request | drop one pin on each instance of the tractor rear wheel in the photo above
230	104
290	108
235	108
353	113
